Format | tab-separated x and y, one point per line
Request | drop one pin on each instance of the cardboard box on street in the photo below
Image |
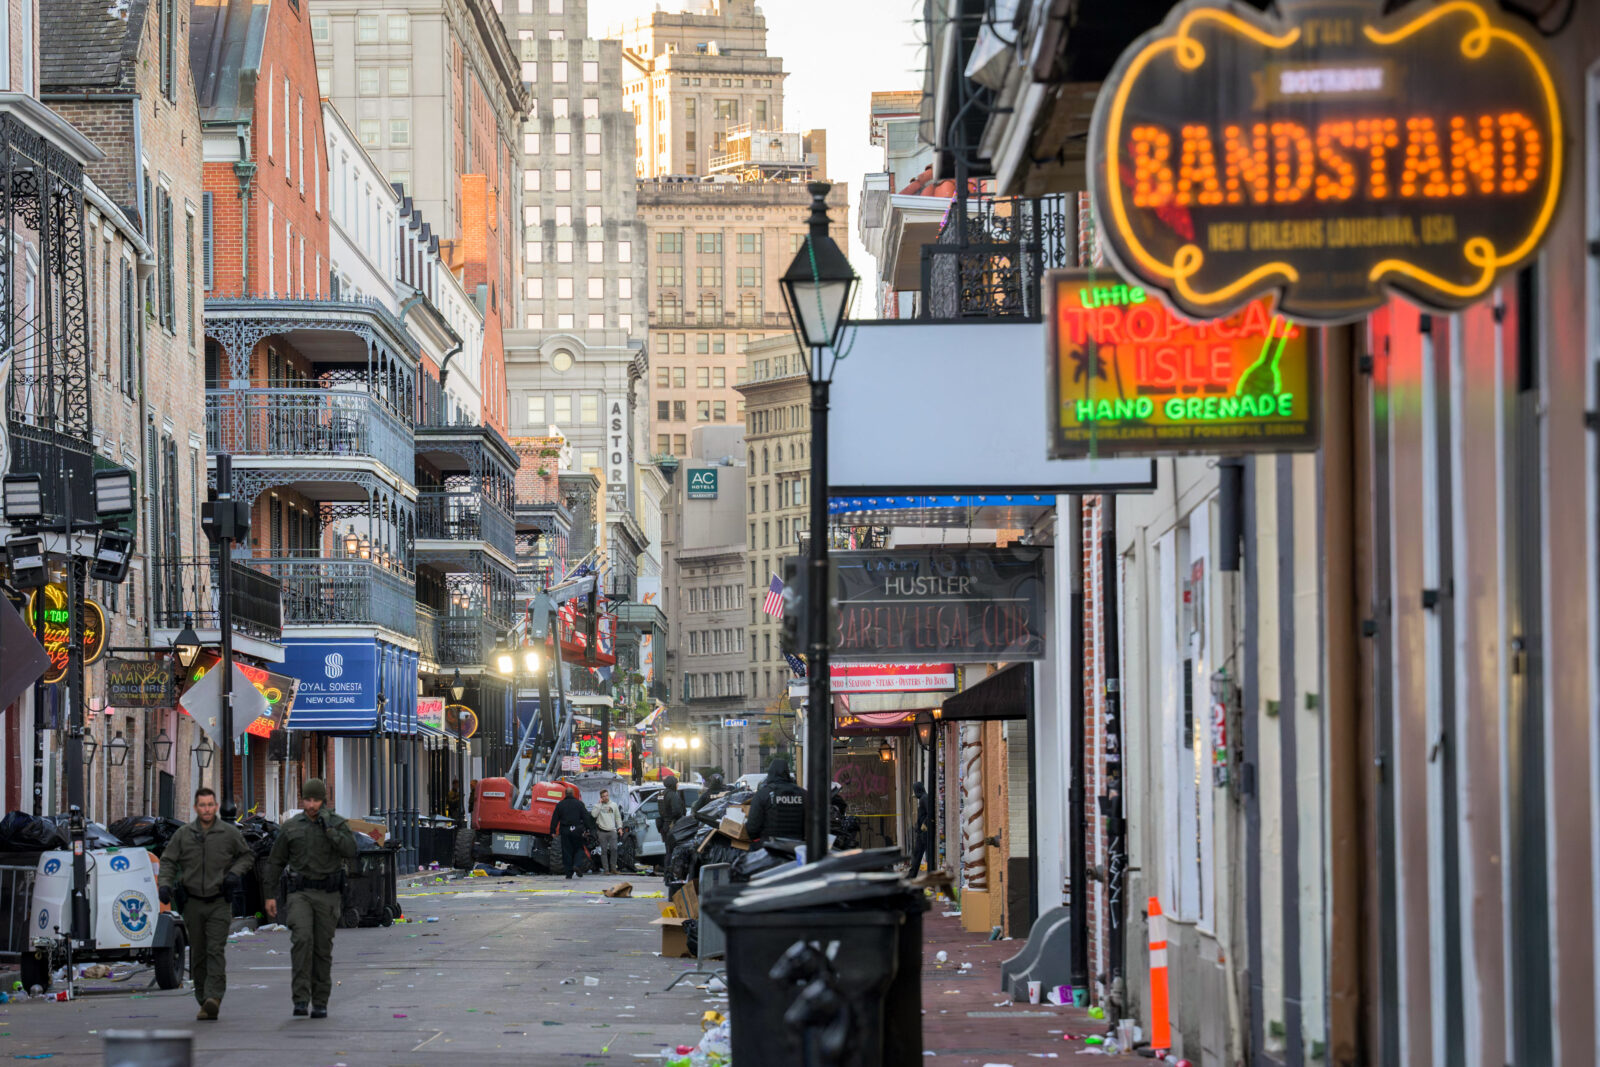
674	938
687	901
375	830
733	821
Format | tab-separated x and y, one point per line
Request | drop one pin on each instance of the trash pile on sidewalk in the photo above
716	834
714	1049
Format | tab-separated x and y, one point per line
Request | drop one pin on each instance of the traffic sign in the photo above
736	722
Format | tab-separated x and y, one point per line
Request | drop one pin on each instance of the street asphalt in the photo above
502	976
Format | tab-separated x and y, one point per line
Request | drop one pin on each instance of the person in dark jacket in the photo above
779	809
669	809
314	845
924	829
715	787
569	820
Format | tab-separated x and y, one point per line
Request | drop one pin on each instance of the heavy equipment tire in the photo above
466	843
36	971
171	962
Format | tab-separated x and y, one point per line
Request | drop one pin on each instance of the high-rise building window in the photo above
624	251
536	411
558	107
589	408
369	132
749	277
563	215
703	410
591	107
530	143
709	277
708	244
558	73
664	443
591	72
591	180
719	377
749	244
663	412
679	377
591	215
679	446
531	215
530	178
399	28
597	288
533	251
558	7
702	377
669	242
563	408
319	28
680	410
727	109
625	288
367	81
399	81
533	288
719	411
669	276
399	132
759	118
530	70
663	378
596	251
366	28
563	144
591	144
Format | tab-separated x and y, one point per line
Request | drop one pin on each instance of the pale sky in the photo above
837	53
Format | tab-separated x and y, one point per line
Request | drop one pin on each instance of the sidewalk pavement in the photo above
970	1022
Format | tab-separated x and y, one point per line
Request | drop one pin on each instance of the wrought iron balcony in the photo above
465	516
427	634
466	640
991	255
185	587
343	592
307	423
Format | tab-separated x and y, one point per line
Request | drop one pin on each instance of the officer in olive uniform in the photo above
314	845
200	872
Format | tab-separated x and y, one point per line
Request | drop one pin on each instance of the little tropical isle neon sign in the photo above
1328	154
1129	377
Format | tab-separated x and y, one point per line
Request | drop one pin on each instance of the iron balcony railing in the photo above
465	516
427	634
991	255
343	592
466	640
185	587
308	423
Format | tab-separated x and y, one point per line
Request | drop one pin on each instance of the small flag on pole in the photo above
796	664
773	605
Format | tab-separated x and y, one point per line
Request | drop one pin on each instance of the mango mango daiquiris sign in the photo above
1329	154
1128	377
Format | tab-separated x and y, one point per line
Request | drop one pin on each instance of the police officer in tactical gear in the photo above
314	845
779	809
570	819
922	848
200	871
715	787
669	809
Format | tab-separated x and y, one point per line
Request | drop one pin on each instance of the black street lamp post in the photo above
818	288
225	521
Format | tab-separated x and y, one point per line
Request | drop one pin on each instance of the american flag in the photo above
796	664
773	605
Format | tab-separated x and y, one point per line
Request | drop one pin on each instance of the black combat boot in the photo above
301	1008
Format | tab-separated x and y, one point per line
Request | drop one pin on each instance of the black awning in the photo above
1007	694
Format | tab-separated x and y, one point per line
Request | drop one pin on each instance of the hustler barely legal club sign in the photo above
1129	377
957	605
1329	154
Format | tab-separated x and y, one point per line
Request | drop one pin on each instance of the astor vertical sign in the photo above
1329	153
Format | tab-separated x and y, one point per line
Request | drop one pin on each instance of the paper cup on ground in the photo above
1033	992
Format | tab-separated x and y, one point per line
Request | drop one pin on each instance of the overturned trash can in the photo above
824	963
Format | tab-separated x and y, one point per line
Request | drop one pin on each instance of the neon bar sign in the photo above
1327	154
1128	377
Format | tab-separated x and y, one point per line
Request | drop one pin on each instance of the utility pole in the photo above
1077	861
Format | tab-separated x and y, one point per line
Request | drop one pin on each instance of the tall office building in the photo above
432	90
693	78
722	193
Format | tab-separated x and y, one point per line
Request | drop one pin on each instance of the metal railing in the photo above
311	423
427	634
16	899
187	586
465	516
465	640
989	259
342	592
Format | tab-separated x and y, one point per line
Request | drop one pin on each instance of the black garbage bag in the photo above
21	832
711	814
364	842
756	861
691	933
259	833
685	861
146	831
